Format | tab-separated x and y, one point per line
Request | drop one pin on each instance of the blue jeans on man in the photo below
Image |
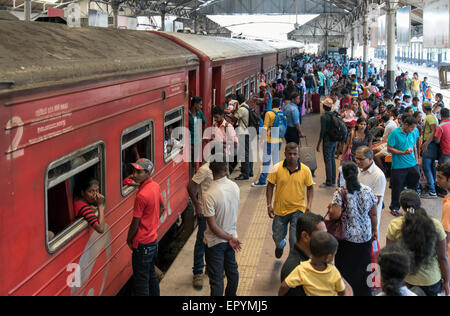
220	258
144	275
199	248
329	151
272	153
429	169
280	227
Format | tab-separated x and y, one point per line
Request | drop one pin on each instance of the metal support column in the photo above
27	10
366	47
390	41
353	43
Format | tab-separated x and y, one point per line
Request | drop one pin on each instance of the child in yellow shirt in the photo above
318	276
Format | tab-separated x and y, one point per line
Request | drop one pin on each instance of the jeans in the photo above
429	168
280	228
144	275
272	153
400	178
199	248
329	150
219	258
246	163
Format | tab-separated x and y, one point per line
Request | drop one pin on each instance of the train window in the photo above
174	129
62	179
137	143
238	88
252	85
229	90
246	89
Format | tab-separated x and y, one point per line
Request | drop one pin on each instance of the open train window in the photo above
238	88
136	143
229	90
252	86
62	178
174	129
246	89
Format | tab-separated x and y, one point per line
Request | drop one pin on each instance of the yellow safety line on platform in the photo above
253	242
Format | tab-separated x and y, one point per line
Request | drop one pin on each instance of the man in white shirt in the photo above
242	116
352	71
221	212
203	179
372	176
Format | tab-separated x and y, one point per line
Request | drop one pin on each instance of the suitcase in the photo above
316	103
308	156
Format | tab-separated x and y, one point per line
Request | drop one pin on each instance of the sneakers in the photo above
259	185
197	281
430	195
279	251
326	186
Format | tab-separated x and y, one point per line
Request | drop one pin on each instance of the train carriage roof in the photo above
36	54
221	48
283	45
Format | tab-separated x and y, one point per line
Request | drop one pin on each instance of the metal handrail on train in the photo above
443	76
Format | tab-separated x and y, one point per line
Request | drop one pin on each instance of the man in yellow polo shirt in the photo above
292	179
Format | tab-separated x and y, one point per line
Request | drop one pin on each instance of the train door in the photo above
216	85
192	84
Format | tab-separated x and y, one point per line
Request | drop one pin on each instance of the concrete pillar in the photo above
163	22
390	41
366	47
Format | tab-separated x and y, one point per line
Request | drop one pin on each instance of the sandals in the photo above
396	213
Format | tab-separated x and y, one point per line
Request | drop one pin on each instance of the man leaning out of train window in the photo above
87	200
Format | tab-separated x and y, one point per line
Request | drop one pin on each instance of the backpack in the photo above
338	130
280	122
253	118
309	81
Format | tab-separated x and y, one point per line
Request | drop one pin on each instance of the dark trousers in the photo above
199	248
432	290
353	260
246	164
401	178
329	150
292	135
144	275
219	258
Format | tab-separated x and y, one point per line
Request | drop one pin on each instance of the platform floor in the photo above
259	270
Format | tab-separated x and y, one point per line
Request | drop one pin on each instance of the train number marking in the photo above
12	151
166	197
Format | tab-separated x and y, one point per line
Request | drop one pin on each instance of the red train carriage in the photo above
73	103
226	66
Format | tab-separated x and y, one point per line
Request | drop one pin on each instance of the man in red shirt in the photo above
442	136
142	235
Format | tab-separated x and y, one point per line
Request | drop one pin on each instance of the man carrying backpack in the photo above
248	124
275	122
332	130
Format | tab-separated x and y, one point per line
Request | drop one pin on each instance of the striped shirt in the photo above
85	210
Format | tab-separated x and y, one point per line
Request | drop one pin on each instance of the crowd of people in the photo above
372	133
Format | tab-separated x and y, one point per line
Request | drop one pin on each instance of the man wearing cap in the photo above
265	104
142	235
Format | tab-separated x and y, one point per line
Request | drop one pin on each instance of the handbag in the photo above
337	228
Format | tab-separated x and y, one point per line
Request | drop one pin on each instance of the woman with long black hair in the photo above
360	136
425	238
357	204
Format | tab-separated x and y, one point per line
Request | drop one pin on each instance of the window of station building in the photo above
64	179
174	130
246	89
229	90
136	143
238	88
